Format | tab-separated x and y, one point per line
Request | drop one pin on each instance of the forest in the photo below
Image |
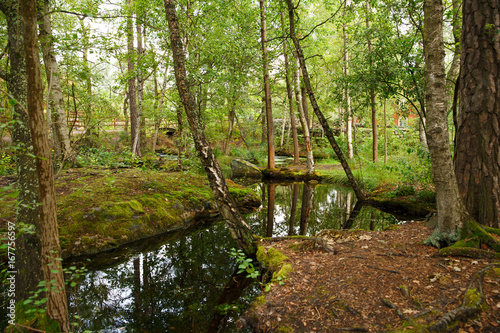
238	165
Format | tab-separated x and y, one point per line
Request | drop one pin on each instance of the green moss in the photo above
285	329
472	297
29	318
283	273
392	227
122	210
272	259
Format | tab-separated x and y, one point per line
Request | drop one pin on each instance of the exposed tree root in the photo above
476	241
391	305
471	304
313	243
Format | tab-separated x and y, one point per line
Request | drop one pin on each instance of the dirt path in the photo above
344	291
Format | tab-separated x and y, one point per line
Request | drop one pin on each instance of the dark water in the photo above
182	284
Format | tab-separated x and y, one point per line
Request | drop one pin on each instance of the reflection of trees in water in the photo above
327	207
172	289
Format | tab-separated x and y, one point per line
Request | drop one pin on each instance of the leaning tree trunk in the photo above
56	102
449	206
28	245
57	305
326	127
239	229
289	94
477	162
267	88
303	122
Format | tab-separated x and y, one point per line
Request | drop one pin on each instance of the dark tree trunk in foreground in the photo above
57	306
449	206
477	153
240	230
267	88
326	127
28	246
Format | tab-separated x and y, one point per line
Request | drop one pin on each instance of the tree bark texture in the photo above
303	121
347	97
477	159
56	101
239	229
139	134
267	88
57	306
321	118
372	89
132	96
293	123
449	207
28	262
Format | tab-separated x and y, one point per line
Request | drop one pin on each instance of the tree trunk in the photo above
477	162
326	127
267	88
88	79
385	131
347	97
57	306
293	123
239	229
230	119
449	206
372	90
139	134
132	98
303	122
56	102
28	246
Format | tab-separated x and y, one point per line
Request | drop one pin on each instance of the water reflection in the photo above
175	288
186	284
319	207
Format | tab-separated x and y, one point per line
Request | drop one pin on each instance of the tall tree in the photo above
303	120
57	306
289	95
267	87
59	126
28	259
477	154
239	229
347	96
322	120
451	212
132	98
372	88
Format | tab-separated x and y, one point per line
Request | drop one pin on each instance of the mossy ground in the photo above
102	208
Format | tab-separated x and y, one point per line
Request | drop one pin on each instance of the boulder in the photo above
242	168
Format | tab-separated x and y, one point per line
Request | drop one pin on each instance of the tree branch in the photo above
320	24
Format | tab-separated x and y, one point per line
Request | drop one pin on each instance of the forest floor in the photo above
344	291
